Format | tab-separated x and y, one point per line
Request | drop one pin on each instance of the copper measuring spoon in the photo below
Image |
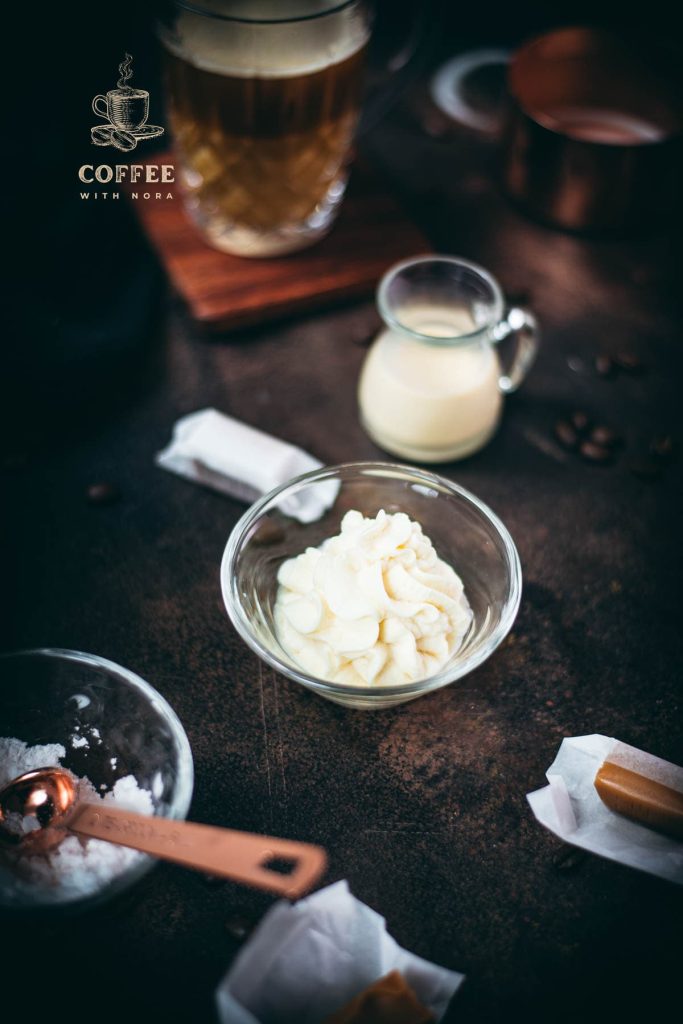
48	798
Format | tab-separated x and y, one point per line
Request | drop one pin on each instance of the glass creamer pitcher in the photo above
432	386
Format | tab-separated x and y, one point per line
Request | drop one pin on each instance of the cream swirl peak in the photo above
375	604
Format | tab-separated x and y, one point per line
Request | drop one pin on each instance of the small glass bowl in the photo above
465	533
112	724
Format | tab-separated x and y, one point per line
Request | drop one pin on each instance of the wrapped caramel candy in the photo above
389	1000
641	798
617	801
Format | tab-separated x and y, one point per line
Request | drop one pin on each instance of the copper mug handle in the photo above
450	95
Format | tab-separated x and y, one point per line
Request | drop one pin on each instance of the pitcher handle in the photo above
523	325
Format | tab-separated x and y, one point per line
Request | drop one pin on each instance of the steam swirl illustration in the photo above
125	111
126	73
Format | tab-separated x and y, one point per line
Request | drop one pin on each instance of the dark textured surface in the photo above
421	807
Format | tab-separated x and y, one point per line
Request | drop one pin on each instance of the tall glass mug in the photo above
263	100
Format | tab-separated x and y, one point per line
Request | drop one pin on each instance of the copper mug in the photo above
593	137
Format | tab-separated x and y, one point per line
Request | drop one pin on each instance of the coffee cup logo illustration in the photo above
125	110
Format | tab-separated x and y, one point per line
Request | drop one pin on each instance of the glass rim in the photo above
197	8
185	772
448	341
241	622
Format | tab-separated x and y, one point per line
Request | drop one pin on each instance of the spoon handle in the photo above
224	852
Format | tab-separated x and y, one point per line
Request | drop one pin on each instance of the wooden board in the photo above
223	291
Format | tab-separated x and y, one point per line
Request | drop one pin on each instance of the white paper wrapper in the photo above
220	452
306	960
571	808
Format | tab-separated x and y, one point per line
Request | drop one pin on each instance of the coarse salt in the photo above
78	867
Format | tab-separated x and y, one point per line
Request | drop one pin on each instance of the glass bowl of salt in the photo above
118	736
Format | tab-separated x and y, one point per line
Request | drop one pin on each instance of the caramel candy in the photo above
641	799
389	1000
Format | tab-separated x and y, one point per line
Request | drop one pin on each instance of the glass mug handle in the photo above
523	325
396	55
102	113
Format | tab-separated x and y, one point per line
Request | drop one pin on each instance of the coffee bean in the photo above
100	135
663	447
566	434
646	469
103	493
123	140
604	366
580	421
605	437
592	452
629	362
238	927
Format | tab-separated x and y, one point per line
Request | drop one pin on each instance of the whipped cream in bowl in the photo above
372	605
403	585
